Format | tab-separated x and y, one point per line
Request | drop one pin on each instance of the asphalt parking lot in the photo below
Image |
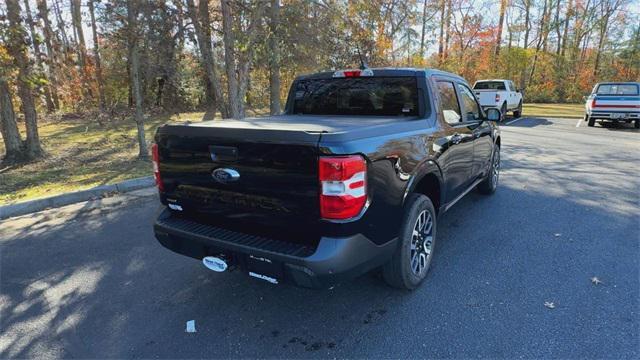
90	281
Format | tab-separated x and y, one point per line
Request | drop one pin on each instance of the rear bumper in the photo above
614	115
334	260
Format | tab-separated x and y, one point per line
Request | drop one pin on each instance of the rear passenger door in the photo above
482	140
456	159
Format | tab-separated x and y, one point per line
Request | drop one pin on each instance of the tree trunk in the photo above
527	28
76	18
274	59
43	13
35	41
167	84
424	29
503	7
527	23
565	33
18	50
557	25
443	7
229	59
96	55
541	39
61	27
132	37
203	37
8	126
237	86
447	30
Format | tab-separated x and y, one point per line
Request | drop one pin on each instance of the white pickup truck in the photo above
501	94
614	101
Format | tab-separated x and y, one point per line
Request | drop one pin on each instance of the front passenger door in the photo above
457	154
482	131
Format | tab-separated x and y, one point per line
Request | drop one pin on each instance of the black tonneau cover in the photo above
299	127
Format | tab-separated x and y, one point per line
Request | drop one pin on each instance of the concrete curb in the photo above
32	206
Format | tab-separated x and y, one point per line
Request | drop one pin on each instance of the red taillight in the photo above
343	183
593	102
155	153
497	97
352	73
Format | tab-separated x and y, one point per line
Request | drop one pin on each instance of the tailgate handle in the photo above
223	153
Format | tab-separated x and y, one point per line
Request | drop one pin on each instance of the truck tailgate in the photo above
608	103
278	174
486	97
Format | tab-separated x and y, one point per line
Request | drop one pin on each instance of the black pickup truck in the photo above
351	178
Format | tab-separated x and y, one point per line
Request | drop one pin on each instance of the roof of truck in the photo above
483	80
385	71
618	82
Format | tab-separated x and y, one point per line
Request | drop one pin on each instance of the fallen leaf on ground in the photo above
549	304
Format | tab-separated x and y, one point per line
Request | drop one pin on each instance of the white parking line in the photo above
514	120
578	123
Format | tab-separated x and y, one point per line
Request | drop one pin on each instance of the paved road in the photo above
90	281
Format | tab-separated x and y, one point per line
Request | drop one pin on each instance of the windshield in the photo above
383	96
489	85
617	89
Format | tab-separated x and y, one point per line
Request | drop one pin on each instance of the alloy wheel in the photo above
422	243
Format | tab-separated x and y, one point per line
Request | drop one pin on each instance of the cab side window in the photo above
471	108
450	106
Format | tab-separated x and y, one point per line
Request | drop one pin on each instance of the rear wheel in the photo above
416	241
586	117
518	112
591	122
490	183
637	124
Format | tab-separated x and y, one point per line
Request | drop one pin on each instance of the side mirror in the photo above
493	114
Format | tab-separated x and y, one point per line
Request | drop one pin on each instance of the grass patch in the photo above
553	110
82	154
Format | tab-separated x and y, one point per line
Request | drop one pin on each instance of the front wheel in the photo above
490	183
637	124
416	241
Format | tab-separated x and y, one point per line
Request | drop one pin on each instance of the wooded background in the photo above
227	56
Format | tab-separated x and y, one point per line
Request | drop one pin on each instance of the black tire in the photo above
518	112
490	183
586	117
637	124
503	112
399	272
591	122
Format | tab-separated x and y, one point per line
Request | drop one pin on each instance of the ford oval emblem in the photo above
215	263
225	175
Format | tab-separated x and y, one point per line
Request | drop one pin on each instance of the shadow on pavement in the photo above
617	126
529	122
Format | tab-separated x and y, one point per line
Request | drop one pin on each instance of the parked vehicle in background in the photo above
352	177
499	93
614	101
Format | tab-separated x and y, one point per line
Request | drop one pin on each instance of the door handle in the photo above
456	138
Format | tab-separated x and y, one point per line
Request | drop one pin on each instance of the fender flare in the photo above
427	167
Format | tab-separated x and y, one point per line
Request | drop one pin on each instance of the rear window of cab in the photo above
489	85
617	89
